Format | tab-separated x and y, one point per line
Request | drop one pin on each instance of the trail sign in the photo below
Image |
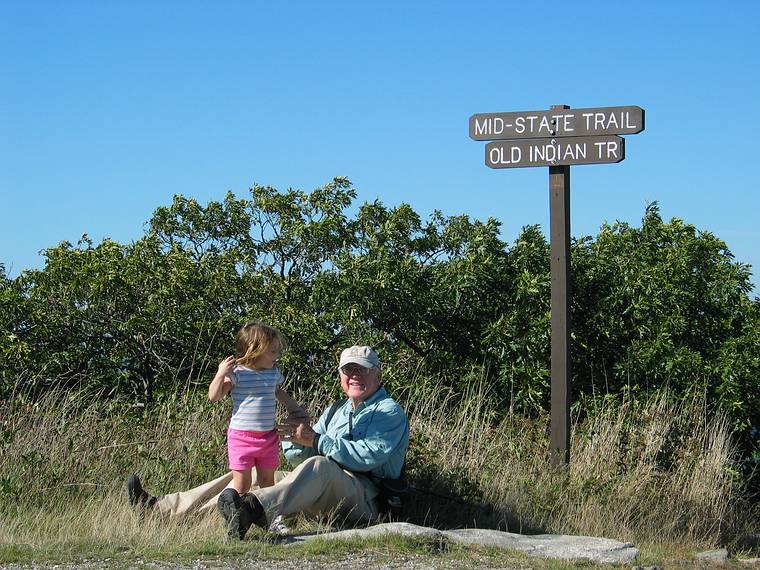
627	120
555	152
558	138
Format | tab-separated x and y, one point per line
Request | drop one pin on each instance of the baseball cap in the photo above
361	355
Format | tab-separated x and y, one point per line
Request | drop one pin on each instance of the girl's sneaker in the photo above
278	526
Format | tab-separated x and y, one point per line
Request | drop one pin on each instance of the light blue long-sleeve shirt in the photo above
372	438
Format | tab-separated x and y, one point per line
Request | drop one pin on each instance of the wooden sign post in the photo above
558	138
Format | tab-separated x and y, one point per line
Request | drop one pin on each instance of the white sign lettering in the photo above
557	123
555	151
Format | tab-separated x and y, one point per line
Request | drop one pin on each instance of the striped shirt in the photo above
253	400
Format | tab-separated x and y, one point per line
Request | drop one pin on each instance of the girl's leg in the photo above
267	459
241	480
264	477
240	453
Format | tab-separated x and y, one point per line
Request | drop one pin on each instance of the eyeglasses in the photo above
354	370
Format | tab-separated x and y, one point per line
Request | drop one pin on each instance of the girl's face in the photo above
270	356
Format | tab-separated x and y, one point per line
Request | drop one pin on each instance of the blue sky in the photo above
108	109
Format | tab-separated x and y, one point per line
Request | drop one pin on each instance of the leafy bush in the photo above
661	306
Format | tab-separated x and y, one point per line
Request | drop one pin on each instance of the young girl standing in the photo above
254	382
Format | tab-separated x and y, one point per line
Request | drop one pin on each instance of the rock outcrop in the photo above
557	546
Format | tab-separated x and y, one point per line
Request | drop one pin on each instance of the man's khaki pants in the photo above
318	486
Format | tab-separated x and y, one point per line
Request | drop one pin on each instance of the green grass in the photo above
107	529
374	552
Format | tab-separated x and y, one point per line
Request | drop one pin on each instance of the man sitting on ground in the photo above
337	465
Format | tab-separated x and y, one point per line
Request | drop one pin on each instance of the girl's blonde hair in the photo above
254	339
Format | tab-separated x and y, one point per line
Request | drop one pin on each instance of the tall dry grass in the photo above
655	471
650	472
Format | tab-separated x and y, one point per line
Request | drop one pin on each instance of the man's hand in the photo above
297	432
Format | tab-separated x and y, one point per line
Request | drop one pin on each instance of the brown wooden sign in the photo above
555	152
558	138
557	123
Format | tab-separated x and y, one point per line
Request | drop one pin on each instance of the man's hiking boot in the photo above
139	497
230	505
240	512
255	511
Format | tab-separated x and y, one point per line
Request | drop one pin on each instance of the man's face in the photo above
358	382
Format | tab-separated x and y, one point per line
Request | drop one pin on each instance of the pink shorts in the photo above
248	449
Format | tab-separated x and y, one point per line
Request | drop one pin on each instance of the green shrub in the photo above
661	306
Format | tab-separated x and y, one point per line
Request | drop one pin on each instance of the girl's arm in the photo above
295	410
221	384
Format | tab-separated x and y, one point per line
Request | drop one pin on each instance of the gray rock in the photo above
719	556
556	546
402	528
